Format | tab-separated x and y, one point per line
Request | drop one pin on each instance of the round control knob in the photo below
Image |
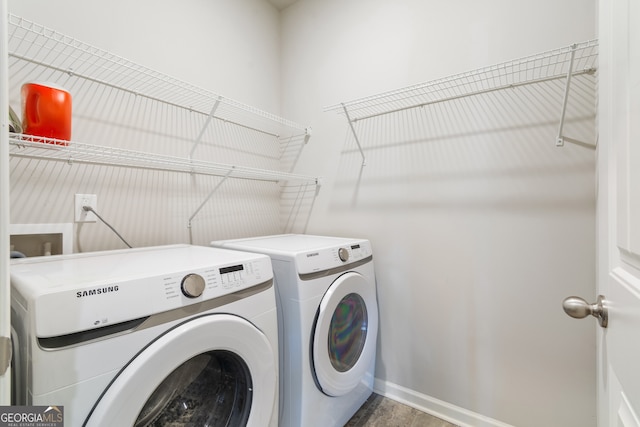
192	285
343	254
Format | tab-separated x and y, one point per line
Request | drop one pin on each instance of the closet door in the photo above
619	214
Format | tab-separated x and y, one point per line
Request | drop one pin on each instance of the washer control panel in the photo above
213	282
328	258
119	286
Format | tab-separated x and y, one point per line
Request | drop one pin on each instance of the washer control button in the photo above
343	254
192	285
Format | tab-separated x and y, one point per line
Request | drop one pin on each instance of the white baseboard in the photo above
438	408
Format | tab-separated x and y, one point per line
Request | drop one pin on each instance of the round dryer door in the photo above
344	335
214	370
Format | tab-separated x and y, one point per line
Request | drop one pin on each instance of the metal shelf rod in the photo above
49	49
141	94
531	68
25	146
534	69
479	92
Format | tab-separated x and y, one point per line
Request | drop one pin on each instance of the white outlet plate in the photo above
85	200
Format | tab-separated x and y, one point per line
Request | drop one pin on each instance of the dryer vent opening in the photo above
212	389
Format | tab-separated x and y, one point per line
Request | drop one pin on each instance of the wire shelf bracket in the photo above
561	138
355	134
305	141
205	126
206	200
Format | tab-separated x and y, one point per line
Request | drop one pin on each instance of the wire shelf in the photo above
542	67
31	147
45	47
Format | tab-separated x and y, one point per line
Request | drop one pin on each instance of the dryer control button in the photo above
343	253
192	285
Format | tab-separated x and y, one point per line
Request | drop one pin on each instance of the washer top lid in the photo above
67	294
291	244
41	275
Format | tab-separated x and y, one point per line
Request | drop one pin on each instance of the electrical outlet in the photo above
85	200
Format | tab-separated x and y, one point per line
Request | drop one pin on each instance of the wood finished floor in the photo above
379	411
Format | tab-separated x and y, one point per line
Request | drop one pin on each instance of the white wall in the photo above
230	47
480	225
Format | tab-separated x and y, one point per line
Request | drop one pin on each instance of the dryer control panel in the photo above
327	258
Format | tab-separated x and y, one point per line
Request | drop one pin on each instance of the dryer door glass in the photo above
211	389
344	335
347	332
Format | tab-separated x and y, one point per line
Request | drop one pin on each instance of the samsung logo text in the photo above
97	291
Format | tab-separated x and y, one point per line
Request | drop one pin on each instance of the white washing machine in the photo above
161	336
328	324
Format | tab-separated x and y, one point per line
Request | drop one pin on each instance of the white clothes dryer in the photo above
328	324
172	335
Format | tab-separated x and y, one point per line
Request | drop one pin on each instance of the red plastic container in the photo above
46	111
